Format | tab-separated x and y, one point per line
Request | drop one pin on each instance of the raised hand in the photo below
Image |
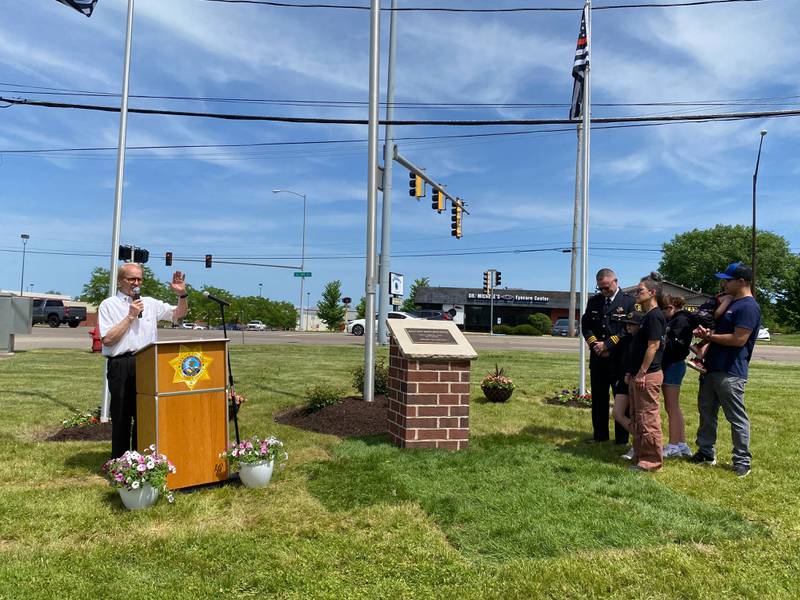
178	283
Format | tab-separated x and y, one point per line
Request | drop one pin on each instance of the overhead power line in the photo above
510	9
734	116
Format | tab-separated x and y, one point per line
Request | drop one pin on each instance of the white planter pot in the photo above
257	474
143	497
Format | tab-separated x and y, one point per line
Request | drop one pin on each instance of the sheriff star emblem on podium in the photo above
191	366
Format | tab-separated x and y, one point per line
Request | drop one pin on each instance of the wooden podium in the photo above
182	408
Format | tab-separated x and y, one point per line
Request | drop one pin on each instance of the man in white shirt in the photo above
128	324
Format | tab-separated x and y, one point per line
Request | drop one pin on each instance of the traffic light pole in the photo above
404	162
386	212
491	301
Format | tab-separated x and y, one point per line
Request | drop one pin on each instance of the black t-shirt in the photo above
653	327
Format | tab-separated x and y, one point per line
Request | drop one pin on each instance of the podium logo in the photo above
191	366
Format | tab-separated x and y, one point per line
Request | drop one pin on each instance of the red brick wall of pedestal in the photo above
428	401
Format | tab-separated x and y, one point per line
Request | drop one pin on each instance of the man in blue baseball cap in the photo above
731	346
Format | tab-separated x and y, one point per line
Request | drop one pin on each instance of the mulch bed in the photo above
570	403
351	417
88	433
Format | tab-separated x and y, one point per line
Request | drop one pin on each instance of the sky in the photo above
647	183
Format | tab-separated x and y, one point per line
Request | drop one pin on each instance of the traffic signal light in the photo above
497	279
455	221
168	259
486	286
208	261
437	200
415	186
125	253
140	255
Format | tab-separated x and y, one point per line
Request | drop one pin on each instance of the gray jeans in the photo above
720	389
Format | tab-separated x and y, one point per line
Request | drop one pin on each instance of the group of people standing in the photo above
639	346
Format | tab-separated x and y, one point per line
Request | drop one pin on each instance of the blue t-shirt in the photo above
744	313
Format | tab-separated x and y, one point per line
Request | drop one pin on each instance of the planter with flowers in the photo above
497	386
255	459
140	477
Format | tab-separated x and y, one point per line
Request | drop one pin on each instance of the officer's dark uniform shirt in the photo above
600	322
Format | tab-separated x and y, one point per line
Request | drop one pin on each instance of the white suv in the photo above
256	325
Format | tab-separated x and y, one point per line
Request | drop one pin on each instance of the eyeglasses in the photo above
133	279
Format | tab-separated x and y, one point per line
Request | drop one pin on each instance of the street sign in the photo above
302	273
395	301
396	284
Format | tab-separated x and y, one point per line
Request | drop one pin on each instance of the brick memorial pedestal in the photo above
429	370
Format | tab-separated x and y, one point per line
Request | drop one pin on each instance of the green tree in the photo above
788	304
328	309
97	288
410	303
691	259
361	308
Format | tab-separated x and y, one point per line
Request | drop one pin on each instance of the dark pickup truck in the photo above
54	313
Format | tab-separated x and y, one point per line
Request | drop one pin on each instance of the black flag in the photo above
84	6
579	69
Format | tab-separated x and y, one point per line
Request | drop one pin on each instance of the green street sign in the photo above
302	273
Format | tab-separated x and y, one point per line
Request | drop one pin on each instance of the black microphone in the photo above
215	299
136	296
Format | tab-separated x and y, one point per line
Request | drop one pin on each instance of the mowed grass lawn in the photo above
528	511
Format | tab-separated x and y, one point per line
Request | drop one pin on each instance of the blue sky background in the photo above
647	183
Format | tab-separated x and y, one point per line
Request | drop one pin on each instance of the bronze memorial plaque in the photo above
431	336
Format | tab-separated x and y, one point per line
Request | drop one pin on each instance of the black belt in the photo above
123	355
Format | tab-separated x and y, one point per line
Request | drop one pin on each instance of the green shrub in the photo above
541	323
503	329
525	329
322	395
381	377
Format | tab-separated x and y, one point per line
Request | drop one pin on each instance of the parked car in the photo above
256	325
54	313
193	326
561	327
357	326
230	327
433	315
763	334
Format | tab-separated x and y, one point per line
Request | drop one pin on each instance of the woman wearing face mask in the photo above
679	338
647	348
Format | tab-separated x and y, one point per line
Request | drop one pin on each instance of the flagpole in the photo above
123	130
573	263
587	117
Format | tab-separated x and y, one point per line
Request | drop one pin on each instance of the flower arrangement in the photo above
497	380
255	450
497	386
574	396
134	469
82	419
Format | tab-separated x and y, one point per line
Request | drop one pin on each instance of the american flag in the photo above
579	69
84	6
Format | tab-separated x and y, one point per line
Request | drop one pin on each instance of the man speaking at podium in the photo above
127	324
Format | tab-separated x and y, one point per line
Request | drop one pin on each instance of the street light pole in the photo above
302	250
260	285
308	308
753	232
25	237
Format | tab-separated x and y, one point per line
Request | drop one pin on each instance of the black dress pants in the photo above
121	375
603	374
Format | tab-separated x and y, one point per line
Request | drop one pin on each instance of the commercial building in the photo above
514	306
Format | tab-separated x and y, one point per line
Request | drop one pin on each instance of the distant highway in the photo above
64	337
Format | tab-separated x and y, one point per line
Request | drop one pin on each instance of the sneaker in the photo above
697	365
684	449
698	458
741	470
671	451
629	455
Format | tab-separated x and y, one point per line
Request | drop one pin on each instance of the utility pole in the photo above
753	233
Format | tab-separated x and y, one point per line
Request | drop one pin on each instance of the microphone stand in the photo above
235	407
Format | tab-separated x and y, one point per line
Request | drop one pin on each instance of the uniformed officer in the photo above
602	328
